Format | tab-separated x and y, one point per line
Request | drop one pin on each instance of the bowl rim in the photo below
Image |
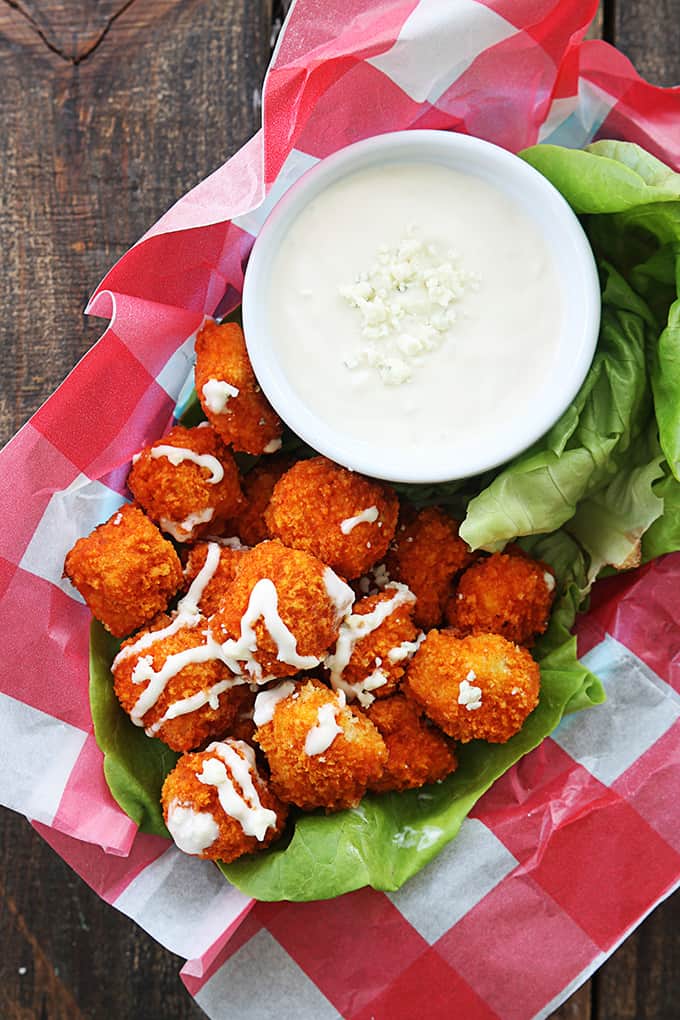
502	168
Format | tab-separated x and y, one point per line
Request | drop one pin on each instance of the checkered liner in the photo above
569	850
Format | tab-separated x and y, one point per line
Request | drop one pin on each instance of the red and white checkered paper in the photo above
569	850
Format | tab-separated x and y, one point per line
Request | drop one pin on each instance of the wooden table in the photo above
111	109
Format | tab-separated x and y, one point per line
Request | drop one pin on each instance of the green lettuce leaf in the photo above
134	765
664	534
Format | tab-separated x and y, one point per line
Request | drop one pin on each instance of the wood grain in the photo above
110	109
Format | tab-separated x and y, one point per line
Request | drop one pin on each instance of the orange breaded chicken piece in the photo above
348	521
194	703
426	555
258	486
282	611
320	752
504	594
186	499
417	752
375	644
229	393
217	806
213	594
125	570
479	687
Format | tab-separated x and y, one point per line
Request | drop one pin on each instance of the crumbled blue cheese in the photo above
407	302
468	695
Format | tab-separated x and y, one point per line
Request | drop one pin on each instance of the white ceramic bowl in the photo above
572	256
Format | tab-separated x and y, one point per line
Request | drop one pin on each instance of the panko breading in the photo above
503	594
229	392
218	806
426	555
348	521
418	753
377	657
292	602
331	769
187	499
218	585
480	687
126	571
180	723
258	486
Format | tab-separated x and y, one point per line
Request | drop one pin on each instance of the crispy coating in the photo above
192	729
503	594
333	779
303	603
258	486
448	674
181	498
243	727
418	752
371	653
125	570
182	788
248	422
426	555
316	497
218	585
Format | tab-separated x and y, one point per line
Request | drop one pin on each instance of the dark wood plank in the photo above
648	33
109	111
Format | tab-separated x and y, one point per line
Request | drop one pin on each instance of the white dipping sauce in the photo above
496	355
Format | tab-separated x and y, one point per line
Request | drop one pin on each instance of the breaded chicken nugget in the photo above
187	482
426	555
348	521
258	486
374	645
418	752
125	570
480	687
229	392
504	594
281	613
218	806
170	681
213	594
320	753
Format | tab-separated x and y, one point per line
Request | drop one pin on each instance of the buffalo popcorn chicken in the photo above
258	486
217	805
348	521
281	613
214	592
480	687
229	392
187	482
322	754
125	570
426	555
417	752
507	594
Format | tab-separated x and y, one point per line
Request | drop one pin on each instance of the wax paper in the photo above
570	849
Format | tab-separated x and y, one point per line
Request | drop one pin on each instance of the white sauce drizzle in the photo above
266	702
117	519
211	697
322	735
406	650
182	531
369	516
273	446
177	454
362	690
355	627
217	393
192	831
245	807
549	581
340	594
468	695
